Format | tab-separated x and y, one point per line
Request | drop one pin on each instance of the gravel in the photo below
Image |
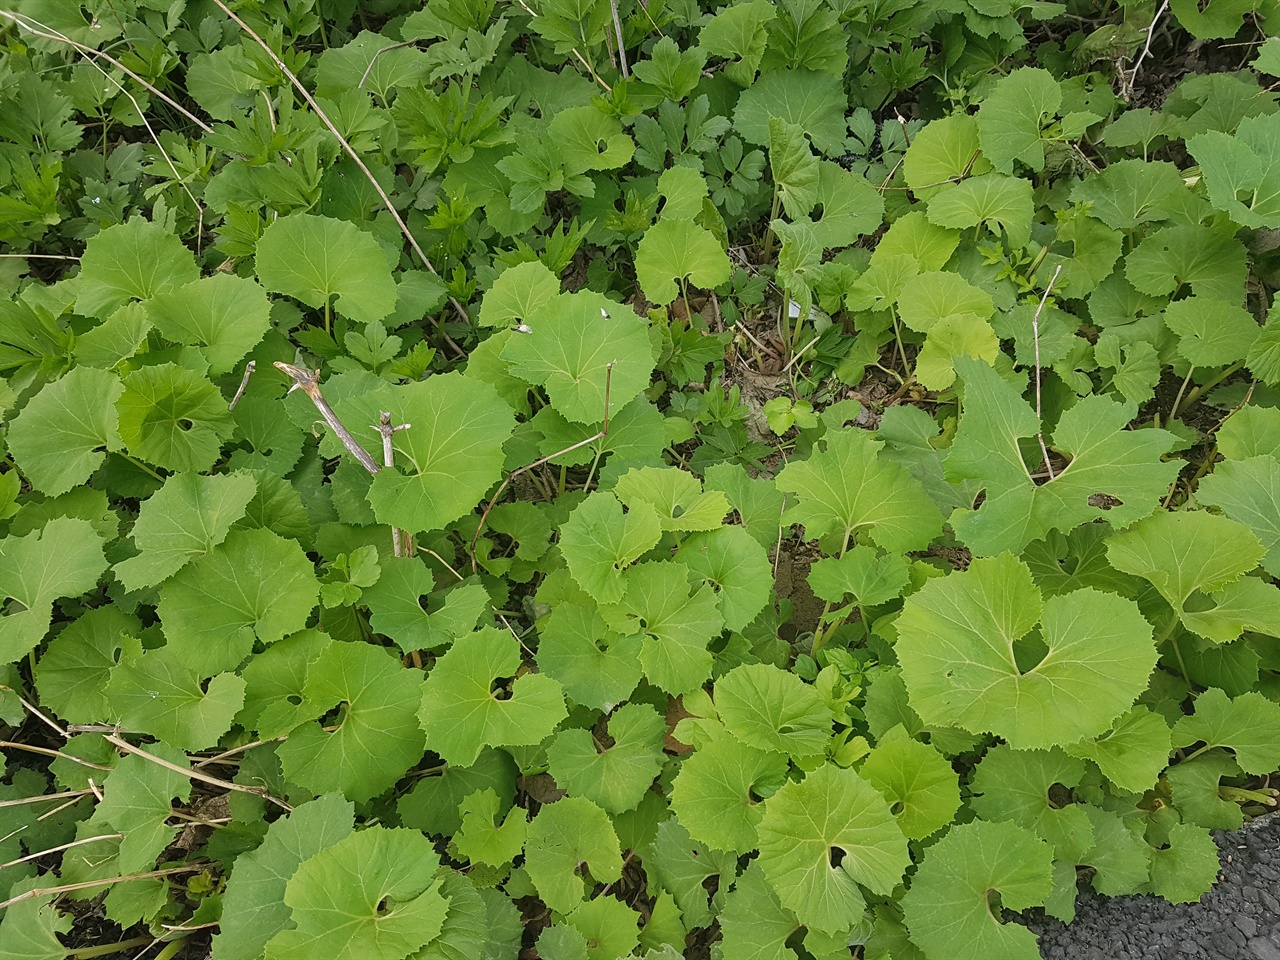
1239	919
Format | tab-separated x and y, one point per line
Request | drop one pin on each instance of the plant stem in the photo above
107	949
1200	391
328	322
142	466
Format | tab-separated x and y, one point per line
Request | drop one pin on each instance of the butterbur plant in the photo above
602	479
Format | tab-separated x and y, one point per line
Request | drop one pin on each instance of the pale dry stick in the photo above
581	59
104	882
36	256
617	28
401	540
379	52
599	435
91	52
97	790
194	774
1035	331
60	848
23	801
1127	92
35	712
234	750
800	353
359	162
249	367
308	381
46	752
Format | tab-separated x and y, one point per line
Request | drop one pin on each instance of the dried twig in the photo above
1035	331
104	882
244	382
194	774
308	381
598	435
1126	91
617	28
61	847
401	540
45	751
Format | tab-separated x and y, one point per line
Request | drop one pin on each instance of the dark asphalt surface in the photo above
1239	919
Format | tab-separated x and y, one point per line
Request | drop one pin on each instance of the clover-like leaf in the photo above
822	837
62	434
948	908
1249	724
673	252
131	261
574	340
716	793
563	837
616	777
1118	470
915	780
465	708
183	520
971	658
224	315
256	893
62	559
314	258
848	490
173	417
374	893
376	737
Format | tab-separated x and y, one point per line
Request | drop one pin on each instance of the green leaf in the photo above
518	293
677	251
737	568
673	71
63	433
136	802
971	656
462	712
374	893
1132	753
1129	193
254	585
1186	870
947	149
866	574
255	892
615	777
597	667
676	495
715	793
948	908
609	926
851	207
1012	117
755	499
31	927
1249	724
1124	465
130	261
1249	432
224	315
754	924
564	835
62	559
1014	786
173	417
815	102
822	837
395	607
432	805
598	541
1248	491
994	200
794	167
574	338
915	780
73	672
447	459
1193	787
160	694
588	139
737	33
183	520
676	624
848	490
314	258
1213	332
481	838
774	710
376	736
1211	261
1219	20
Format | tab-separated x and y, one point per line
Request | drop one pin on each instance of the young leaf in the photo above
1249	724
395	607
137	802
614	778
255	895
993	200
314	258
518	293
1107	460
970	657
224	315
674	251
574	338
183	520
915	780
563	836
737	568
676	495
131	261
375	893
822	837
609	927
461	710
376	737
673	71
945	151
598	541
62	559
1186	870
1132	753
948	908
737	33
866	574
59	438
848	489
716	792
1248	491
481	838
794	167
588	139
